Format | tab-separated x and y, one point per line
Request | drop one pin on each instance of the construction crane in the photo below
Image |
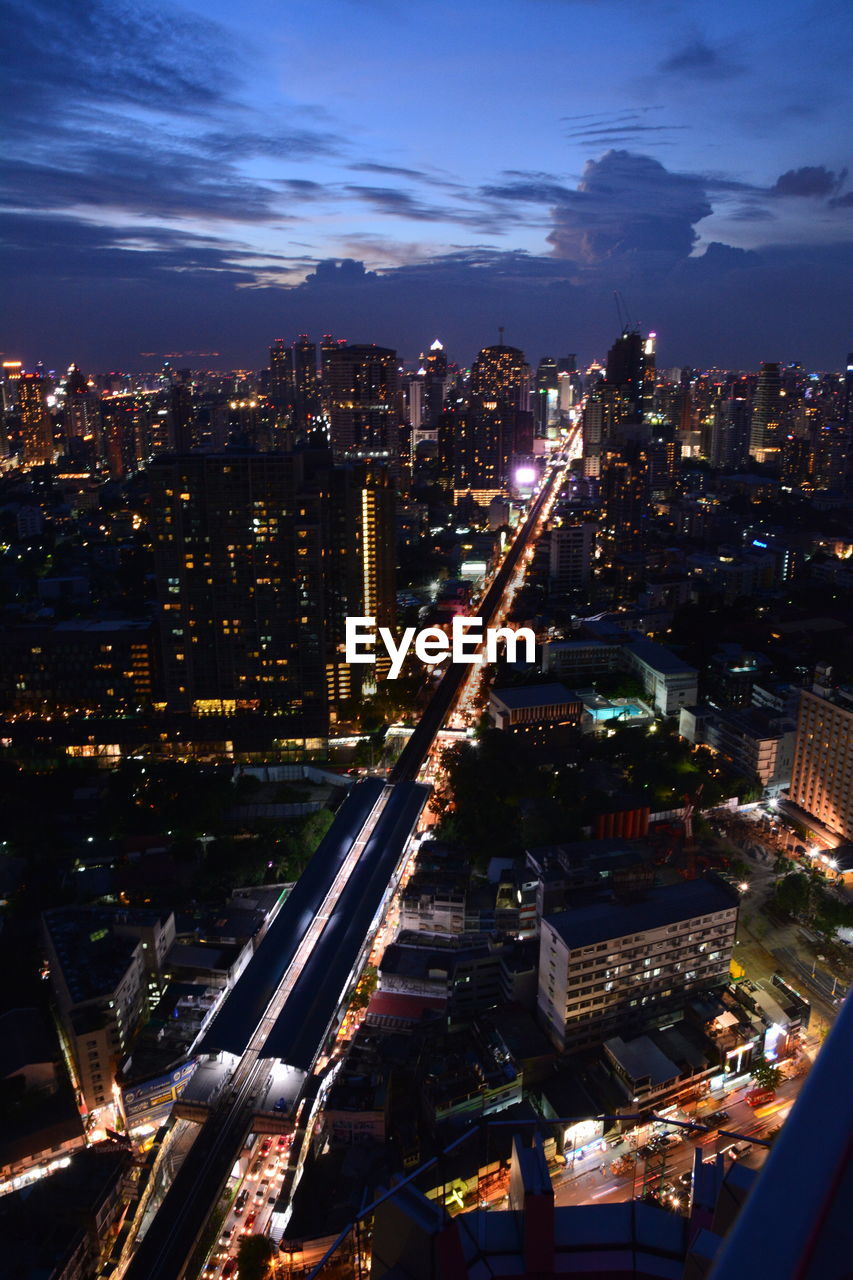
690	803
624	318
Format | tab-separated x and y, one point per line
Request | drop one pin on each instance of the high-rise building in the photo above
238	550
36	422
822	776
730	432
358	510
847	408
612	965
625	494
362	385
600	415
499	419
624	372
435	383
766	433
545	399
281	377
182	417
306	402
11	370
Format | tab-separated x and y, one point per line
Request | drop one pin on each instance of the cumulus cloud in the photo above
810	180
629	204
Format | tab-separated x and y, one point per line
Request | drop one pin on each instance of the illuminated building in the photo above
36	422
362	385
624	371
281	376
822	776
600	415
545	402
609	966
730	430
305	398
81	414
238	552
625	495
77	666
571	546
499	420
766	431
359	567
435	382
11	377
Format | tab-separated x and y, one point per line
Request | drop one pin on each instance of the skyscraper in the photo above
500	422
766	434
36	422
362	391
281	377
822	775
625	371
435	382
545	404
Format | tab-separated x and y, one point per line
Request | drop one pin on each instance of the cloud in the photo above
810	180
397	203
629	204
699	60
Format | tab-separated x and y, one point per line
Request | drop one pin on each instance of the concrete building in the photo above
614	964
669	682
539	714
102	980
822	775
570	556
759	744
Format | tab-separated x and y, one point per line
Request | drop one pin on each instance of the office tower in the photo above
610	966
572	544
238	553
822	776
847	407
624	371
36	422
182	417
362	392
765	436
730	432
545	399
451	432
124	434
415	399
281	377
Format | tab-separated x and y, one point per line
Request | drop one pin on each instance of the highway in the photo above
419	744
284	1005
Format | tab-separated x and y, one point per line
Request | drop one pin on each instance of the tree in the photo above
793	894
254	1257
764	1074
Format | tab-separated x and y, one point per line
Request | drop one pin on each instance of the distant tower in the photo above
500	419
435	383
281	376
625	371
848	393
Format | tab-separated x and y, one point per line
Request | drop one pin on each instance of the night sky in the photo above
187	179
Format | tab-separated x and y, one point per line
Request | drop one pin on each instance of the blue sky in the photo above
189	178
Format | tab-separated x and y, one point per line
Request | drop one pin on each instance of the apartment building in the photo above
822	776
608	966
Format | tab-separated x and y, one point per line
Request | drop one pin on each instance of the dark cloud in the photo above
700	60
529	192
135	54
629	204
393	170
397	203
811	180
842	202
751	213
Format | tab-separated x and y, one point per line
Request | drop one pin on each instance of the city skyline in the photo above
187	183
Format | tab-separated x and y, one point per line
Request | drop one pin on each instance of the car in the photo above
240	1202
685	1180
263	1188
282	1142
736	1150
255	1171
272	1168
272	1200
229	1268
249	1223
265	1146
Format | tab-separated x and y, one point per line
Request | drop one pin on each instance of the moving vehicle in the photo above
757	1097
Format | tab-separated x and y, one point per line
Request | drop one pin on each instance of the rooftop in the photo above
641	1059
659	658
600	921
540	695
